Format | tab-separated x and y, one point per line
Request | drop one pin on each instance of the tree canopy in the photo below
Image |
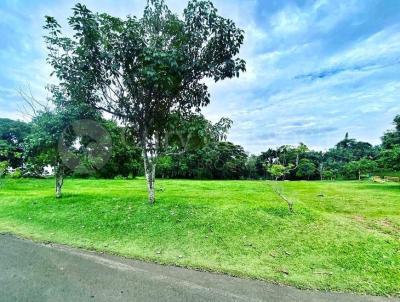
12	136
391	139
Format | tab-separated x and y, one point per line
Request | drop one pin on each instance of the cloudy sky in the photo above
316	69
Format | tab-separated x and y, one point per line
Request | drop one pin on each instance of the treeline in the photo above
31	149
348	159
194	148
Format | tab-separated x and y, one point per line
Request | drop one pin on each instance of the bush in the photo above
3	168
16	174
329	174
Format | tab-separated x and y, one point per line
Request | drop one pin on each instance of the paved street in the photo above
36	272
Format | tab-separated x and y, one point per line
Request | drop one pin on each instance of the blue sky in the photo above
316	69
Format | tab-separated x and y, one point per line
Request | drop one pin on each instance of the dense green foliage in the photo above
391	139
197	149
349	159
12	136
306	168
342	235
125	160
216	160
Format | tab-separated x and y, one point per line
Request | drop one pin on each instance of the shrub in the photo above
16	174
3	168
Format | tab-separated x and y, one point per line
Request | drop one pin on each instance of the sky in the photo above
315	69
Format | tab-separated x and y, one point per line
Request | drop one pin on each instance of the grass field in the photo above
343	236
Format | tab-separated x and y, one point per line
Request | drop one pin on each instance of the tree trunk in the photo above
359	174
149	168
150	171
59	174
321	171
149	145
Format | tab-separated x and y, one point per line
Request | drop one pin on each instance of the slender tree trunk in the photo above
359	174
59	175
321	171
149	166
150	171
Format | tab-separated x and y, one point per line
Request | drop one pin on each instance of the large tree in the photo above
12	135
306	169
142	70
359	167
391	139
390	158
350	149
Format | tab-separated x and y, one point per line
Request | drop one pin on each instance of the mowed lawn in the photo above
343	236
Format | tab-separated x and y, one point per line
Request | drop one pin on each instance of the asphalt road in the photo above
36	272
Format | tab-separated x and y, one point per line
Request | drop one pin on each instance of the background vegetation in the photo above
207	154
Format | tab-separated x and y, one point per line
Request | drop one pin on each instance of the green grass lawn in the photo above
343	236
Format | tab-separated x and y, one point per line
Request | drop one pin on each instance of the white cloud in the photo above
377	48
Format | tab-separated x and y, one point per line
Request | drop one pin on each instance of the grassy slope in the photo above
346	240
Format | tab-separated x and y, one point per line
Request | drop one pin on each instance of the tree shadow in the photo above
389	187
283	212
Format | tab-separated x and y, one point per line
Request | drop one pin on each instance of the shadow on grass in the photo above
284	213
388	187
